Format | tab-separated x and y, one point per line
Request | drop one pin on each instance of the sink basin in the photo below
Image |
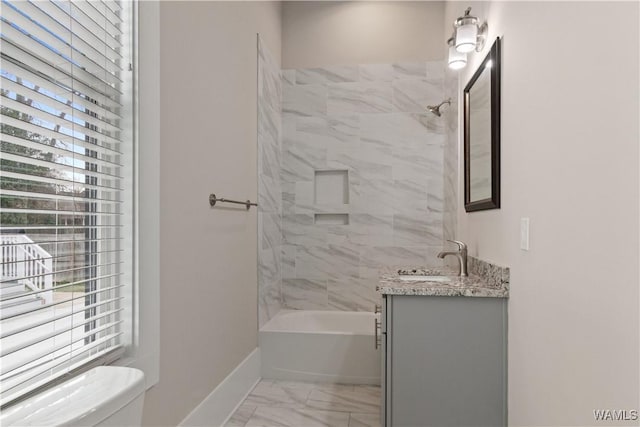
416	278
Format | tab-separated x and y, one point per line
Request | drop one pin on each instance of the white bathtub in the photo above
326	346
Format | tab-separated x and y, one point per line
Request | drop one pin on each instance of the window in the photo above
66	188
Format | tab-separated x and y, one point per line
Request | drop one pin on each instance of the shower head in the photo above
435	109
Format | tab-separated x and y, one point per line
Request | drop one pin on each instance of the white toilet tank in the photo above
103	396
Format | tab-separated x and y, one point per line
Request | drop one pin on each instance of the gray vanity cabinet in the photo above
444	361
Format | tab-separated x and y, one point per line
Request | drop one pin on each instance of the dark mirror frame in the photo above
494	201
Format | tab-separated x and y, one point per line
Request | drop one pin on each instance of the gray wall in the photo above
570	134
208	289
321	33
369	121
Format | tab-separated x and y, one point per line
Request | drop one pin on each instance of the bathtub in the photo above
324	346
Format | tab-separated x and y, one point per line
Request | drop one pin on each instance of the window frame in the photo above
140	343
144	352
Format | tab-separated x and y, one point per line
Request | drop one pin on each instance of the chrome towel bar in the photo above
213	200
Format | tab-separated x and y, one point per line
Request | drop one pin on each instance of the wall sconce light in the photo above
457	60
467	37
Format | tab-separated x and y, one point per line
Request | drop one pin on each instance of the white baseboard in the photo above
221	403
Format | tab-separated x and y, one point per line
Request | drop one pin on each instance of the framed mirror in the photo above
482	135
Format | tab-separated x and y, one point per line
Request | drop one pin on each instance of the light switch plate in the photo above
524	234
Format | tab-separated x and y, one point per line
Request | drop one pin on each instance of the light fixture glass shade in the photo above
457	59
466	37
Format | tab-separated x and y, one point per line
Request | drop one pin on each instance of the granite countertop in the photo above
484	280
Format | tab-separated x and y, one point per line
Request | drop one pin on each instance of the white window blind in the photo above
65	186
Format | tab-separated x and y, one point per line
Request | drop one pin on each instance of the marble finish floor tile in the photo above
266	416
343	401
241	416
312	385
364	420
266	395
279	403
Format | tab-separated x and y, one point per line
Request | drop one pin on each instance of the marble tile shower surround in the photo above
269	185
370	121
451	156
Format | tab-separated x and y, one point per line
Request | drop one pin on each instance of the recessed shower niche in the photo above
331	188
331	219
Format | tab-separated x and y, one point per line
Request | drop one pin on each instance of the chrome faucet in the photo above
461	254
